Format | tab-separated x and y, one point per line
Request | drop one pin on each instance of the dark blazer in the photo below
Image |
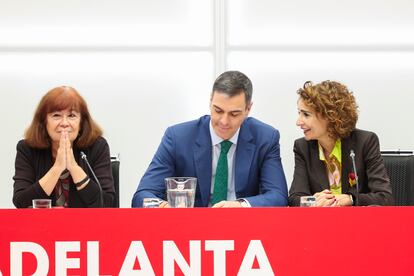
32	164
186	150
310	174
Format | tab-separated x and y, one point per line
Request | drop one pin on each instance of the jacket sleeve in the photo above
162	165
26	187
272	181
379	187
300	184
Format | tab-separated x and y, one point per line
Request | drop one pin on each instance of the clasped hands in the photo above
327	199
64	155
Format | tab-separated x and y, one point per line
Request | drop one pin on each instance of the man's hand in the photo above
164	204
227	204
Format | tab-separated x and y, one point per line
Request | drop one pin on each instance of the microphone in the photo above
352	155
83	156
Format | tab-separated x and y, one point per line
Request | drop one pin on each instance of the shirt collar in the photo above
215	139
336	151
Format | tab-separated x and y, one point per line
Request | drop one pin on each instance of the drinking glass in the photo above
42	203
307	201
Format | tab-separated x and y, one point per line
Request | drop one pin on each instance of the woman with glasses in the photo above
48	161
327	115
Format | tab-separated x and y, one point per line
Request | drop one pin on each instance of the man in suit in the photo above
248	148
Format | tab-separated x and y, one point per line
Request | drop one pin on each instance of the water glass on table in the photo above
307	201
42	203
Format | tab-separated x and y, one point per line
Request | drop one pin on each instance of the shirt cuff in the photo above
244	202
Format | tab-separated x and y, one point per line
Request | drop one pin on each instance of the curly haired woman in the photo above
323	166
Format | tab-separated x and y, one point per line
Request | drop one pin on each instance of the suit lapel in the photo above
203	160
318	168
244	156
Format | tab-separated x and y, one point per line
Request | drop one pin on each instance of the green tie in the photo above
221	179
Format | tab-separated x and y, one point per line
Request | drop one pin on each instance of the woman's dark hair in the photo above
60	98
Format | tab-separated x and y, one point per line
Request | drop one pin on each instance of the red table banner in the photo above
205	241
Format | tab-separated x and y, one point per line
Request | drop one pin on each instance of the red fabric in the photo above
368	240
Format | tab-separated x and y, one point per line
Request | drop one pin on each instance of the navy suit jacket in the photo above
186	150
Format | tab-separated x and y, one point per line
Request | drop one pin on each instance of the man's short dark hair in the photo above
233	83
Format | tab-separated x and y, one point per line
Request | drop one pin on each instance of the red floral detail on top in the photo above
352	179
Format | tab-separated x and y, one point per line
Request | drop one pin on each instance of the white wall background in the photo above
144	65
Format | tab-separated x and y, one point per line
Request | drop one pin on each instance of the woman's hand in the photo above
325	199
60	159
71	163
64	155
49	180
72	166
66	160
343	200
